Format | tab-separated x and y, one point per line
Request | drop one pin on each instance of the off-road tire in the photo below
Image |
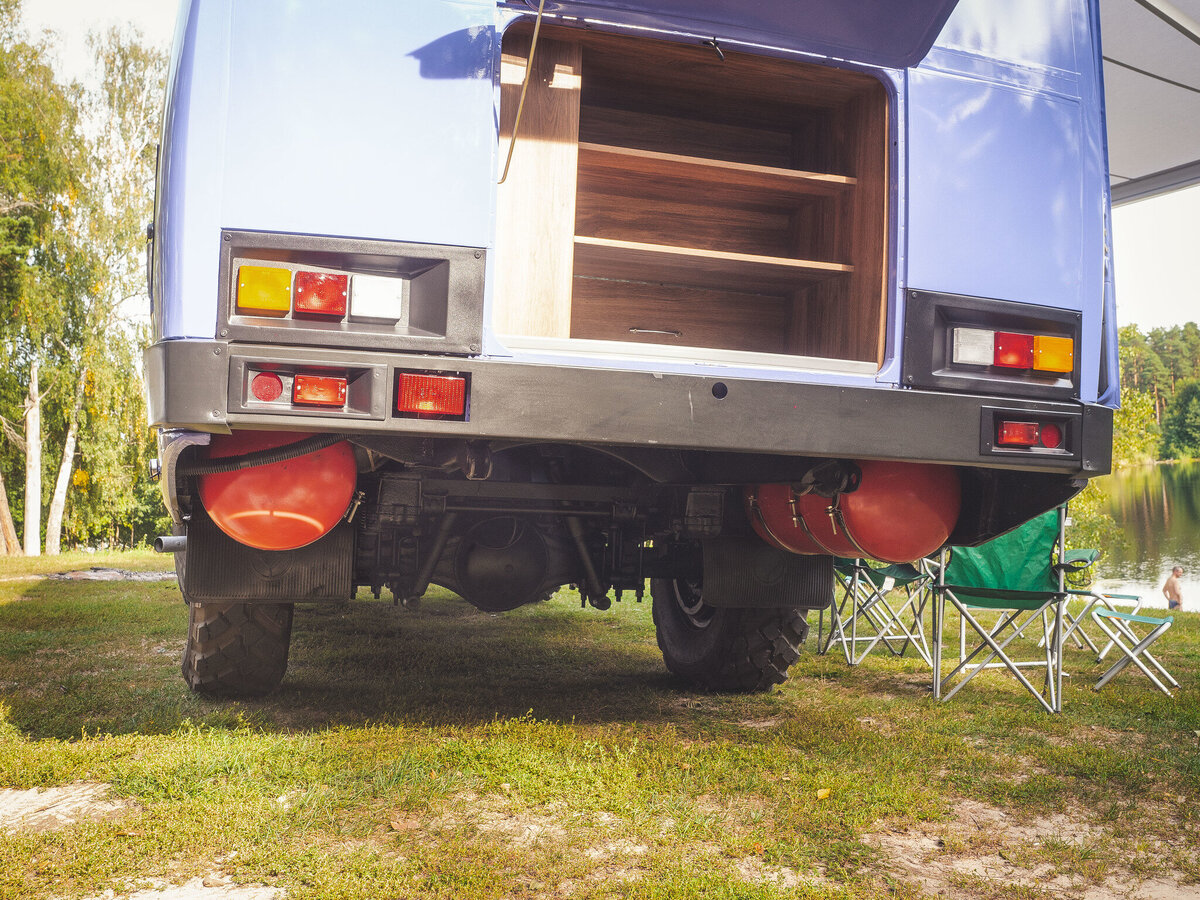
726	650
237	649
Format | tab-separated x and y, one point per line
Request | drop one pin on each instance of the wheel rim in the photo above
688	599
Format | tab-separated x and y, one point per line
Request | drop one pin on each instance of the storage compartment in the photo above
661	195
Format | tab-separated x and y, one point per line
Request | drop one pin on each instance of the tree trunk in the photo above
58	502
8	531
33	464
54	518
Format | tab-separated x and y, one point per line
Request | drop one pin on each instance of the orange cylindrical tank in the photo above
283	505
900	512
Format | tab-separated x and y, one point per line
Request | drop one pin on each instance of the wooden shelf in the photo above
634	261
597	160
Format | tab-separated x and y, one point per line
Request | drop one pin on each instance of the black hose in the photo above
261	457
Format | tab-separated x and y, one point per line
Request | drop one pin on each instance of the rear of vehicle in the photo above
502	299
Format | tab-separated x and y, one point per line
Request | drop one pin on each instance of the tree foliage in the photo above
76	183
1181	423
1157	368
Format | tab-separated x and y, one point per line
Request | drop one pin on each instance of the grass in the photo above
445	752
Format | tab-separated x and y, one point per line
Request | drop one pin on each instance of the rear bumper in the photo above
199	385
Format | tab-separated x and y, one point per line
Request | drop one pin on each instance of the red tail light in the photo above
435	395
320	294
1051	436
267	387
319	390
1018	434
1014	351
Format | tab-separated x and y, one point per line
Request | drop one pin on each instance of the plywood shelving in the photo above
678	200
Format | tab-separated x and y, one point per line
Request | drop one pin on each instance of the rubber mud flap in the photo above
744	572
220	569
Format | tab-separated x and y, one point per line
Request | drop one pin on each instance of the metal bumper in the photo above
199	385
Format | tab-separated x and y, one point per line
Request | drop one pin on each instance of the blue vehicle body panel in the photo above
400	146
1007	191
998	184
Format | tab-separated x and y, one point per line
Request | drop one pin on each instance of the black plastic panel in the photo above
443	309
930	319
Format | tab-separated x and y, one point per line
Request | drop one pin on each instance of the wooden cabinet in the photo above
661	195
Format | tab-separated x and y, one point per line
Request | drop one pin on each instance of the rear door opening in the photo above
696	207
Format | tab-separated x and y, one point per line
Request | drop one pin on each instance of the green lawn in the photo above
545	753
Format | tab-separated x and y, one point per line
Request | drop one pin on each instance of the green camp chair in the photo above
1015	575
866	619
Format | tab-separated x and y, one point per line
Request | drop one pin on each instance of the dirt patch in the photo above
979	852
210	887
49	809
496	815
100	573
755	871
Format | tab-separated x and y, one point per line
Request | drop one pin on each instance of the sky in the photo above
1155	241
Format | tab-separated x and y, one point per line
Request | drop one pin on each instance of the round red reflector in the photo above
267	387
1051	436
283	505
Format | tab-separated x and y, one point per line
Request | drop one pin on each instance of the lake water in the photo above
1158	509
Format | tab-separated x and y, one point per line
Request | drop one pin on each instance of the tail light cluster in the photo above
279	292
1010	432
1013	350
295	390
1048	435
298	389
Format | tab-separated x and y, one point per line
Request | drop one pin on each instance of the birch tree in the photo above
107	226
37	144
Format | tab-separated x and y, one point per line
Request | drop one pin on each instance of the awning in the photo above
1152	88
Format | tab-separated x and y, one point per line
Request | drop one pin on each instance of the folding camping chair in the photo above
1016	576
1117	626
1075	564
866	619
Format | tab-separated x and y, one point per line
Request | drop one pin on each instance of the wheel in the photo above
729	650
237	649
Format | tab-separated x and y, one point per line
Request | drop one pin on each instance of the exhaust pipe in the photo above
170	543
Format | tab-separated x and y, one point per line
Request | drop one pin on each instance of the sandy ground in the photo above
969	856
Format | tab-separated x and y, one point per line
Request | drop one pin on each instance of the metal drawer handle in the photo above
656	331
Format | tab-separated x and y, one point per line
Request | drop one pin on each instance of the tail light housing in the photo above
424	395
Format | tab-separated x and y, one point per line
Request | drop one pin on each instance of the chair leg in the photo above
997	651
939	611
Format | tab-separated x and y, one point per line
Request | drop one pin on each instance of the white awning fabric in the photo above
1152	88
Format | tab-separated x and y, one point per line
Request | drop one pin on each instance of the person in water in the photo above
1173	589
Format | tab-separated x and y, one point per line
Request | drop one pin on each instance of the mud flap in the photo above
744	572
218	568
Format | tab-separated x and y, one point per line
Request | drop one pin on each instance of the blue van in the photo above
509	295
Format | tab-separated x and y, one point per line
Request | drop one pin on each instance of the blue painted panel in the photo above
1027	32
362	119
995	195
187	219
1007	162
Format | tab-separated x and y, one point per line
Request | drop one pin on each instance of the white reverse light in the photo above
374	298
974	346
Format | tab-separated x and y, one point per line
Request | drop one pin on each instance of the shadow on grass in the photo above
448	663
104	658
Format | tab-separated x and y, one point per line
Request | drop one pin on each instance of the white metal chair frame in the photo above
1116	625
868	602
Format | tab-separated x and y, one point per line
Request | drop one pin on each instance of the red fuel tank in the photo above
900	512
283	505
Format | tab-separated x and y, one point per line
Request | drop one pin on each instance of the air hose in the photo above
261	457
